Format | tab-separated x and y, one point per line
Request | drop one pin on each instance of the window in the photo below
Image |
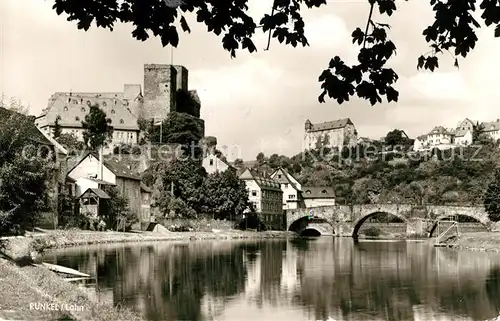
286	185
121	121
65	108
323	192
77	118
254	193
83	109
88	103
112	111
75	102
291	196
211	162
308	192
81	101
104	103
125	102
279	175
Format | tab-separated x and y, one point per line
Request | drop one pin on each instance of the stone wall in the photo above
199	224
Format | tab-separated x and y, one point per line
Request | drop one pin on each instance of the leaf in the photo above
497	31
184	25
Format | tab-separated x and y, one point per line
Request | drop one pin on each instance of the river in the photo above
297	279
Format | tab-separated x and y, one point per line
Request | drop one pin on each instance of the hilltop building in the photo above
165	90
443	138
333	134
492	129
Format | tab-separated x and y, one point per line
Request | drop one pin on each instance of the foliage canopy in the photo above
453	30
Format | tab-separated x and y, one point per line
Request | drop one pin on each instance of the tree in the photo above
57	127
71	143
395	137
452	31
261	158
116	211
238	162
492	198
26	168
178	128
185	177
97	128
224	194
477	132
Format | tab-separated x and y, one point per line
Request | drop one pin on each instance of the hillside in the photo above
458	176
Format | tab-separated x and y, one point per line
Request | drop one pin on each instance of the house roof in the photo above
59	147
35	135
114	166
262	182
335	124
318	192
73	107
461	132
95	192
284	179
99	181
439	130
491	126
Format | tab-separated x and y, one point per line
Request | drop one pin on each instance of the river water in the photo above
288	280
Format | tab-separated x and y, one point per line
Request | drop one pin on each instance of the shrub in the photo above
372	232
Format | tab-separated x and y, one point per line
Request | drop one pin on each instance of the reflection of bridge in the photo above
347	219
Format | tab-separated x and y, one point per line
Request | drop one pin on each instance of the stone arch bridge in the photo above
420	219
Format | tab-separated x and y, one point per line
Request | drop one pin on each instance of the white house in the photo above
463	137
264	193
420	143
213	163
291	188
318	196
91	172
492	129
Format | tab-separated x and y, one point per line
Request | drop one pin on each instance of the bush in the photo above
252	221
41	244
372	232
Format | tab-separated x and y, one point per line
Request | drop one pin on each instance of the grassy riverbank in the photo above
19	246
22	287
479	241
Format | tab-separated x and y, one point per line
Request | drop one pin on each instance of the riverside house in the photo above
266	196
92	172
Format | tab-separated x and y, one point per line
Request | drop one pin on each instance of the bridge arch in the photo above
477	219
303	223
359	222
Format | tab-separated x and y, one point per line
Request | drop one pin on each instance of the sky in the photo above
256	102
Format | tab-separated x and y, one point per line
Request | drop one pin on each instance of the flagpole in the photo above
171	54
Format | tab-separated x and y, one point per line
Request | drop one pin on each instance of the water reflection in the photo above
293	280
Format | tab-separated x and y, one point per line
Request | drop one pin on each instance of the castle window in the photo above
125	102
121	121
81	101
69	100
104	103
83	109
65	108
75	101
308	192
112	111
115	101
88	103
77	118
323	192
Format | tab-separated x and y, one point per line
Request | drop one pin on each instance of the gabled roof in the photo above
284	179
491	126
439	130
461	132
335	124
95	192
58	146
318	192
113	165
262	182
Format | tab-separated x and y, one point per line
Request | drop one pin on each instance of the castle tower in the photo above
160	87
308	125
182	77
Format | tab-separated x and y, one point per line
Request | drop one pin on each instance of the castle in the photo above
165	90
332	134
